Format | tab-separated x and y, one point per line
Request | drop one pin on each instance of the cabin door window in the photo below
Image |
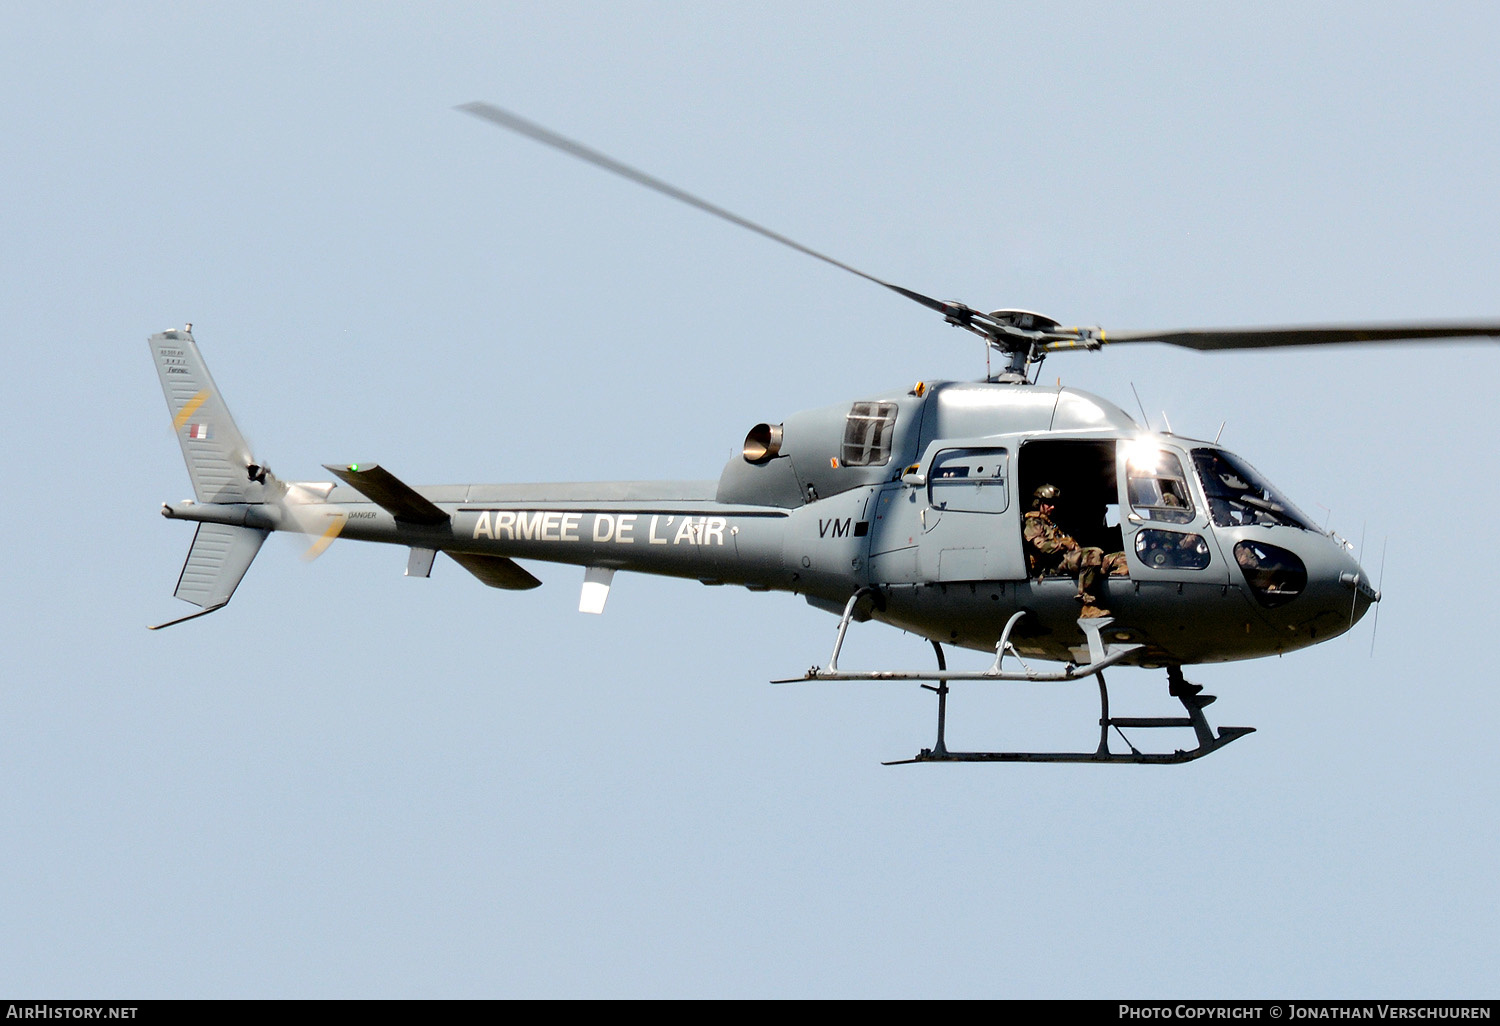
969	481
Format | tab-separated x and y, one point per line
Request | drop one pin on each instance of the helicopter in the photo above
916	507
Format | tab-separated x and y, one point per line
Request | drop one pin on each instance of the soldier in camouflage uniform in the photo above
1048	549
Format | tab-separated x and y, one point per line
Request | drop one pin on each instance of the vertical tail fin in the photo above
218	458
222	471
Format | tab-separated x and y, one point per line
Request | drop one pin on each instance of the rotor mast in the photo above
1024	338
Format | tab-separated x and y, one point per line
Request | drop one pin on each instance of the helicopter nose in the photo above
1362	585
1359	581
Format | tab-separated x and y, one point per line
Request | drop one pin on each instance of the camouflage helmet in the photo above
1047	493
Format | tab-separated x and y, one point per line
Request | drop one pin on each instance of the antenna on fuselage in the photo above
1360	559
1145	420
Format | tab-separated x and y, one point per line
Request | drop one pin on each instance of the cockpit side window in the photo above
867	435
1166	550
1158	487
1239	497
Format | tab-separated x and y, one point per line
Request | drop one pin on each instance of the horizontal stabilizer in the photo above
388	492
496	571
216	563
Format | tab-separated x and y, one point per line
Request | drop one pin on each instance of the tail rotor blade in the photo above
294	501
321	543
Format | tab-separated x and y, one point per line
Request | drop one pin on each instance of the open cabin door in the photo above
1086	475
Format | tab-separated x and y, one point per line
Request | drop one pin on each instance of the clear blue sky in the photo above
353	784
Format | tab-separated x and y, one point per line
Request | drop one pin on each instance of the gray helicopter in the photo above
919	507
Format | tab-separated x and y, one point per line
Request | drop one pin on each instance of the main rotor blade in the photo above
1205	339
516	123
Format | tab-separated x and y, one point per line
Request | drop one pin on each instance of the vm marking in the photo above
834	528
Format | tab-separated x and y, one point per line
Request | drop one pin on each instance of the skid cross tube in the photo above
1101	657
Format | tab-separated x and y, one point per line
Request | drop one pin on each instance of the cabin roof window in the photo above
867	435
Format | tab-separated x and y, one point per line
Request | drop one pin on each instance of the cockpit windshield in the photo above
1239	497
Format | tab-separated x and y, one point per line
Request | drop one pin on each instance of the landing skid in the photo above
1101	656
1194	703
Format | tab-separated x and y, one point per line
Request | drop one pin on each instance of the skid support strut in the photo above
1100	656
939	750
